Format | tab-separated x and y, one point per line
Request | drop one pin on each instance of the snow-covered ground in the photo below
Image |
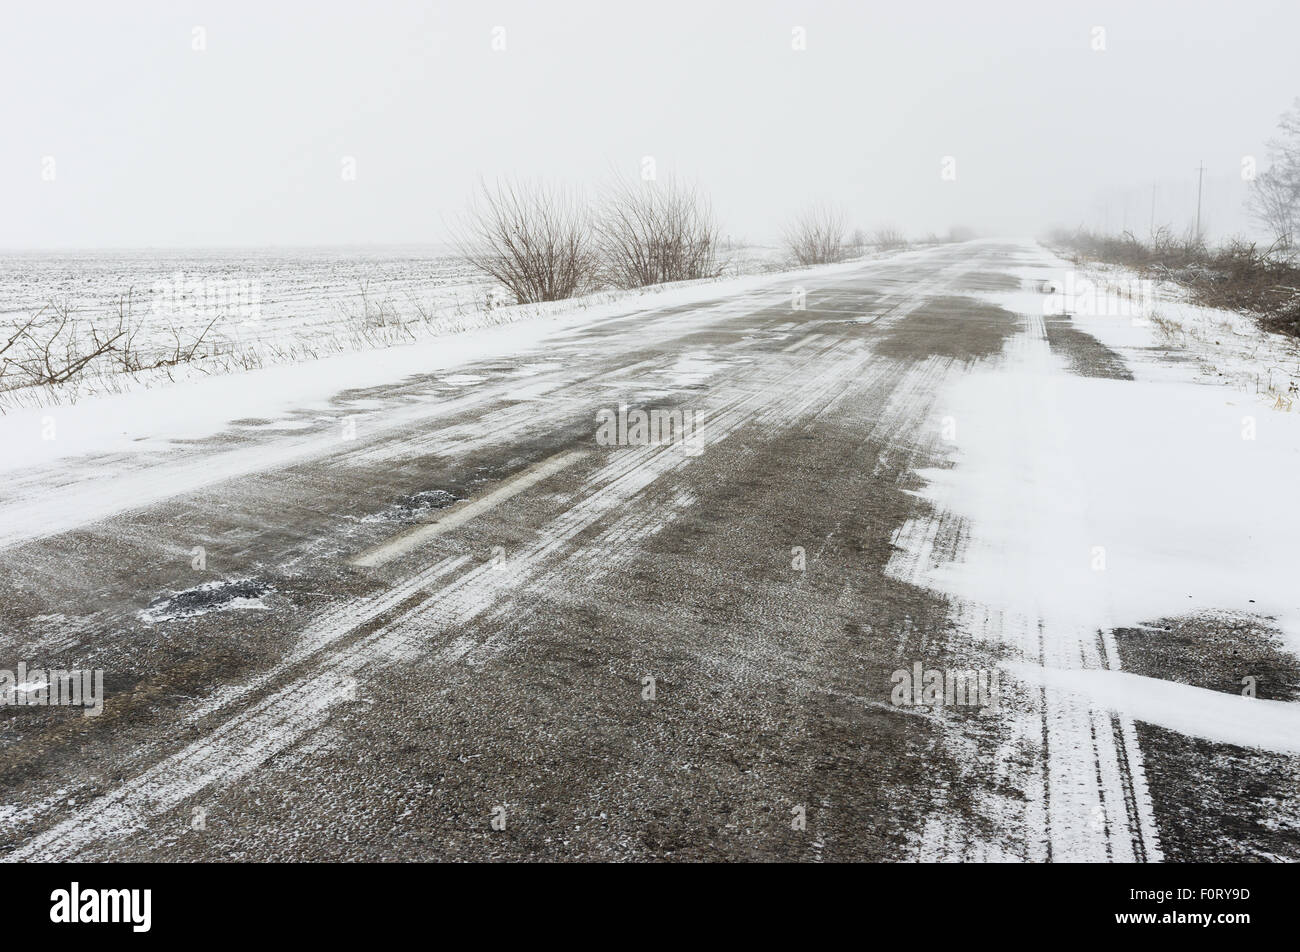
1229	348
1096	503
296	290
258	308
1096	481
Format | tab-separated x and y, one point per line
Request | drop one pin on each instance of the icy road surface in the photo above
418	610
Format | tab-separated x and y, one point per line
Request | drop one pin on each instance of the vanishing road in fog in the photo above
466	612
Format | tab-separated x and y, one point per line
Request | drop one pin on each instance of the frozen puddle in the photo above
226	595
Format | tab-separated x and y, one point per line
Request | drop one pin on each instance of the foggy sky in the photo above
243	143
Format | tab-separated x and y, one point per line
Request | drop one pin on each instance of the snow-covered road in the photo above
422	592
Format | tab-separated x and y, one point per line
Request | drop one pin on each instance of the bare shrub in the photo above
1236	275
11	350
55	346
650	232
534	239
889	238
816	235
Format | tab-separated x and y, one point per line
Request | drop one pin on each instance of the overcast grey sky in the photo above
155	143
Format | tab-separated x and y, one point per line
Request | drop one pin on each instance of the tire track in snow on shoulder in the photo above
1084	797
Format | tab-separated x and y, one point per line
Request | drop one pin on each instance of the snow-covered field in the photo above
296	291
239	309
254	308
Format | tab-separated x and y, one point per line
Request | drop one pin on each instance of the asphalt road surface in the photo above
464	627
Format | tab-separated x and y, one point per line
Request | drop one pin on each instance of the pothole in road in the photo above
225	595
414	508
432	499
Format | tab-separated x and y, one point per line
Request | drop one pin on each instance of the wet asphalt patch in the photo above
1087	356
962	328
989	281
1216	802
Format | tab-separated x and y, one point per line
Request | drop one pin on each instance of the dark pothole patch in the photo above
223	595
415	508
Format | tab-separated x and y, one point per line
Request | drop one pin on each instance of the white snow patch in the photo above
693	368
532	370
1154	482
1196	712
1158	479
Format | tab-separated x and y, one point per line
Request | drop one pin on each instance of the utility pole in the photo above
1153	208
1200	175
